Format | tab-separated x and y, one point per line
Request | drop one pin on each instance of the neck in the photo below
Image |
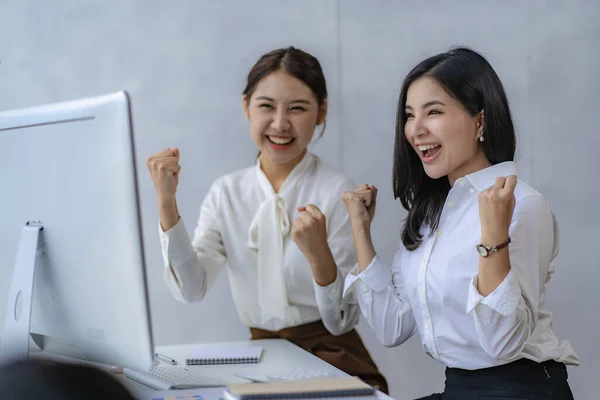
475	164
277	173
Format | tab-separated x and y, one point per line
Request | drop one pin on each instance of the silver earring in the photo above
481	138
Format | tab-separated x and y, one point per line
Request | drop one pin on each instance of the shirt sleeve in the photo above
191	266
380	294
506	318
339	314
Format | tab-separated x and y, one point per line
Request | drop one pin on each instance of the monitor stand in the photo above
15	339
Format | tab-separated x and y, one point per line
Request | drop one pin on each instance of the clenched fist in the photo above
496	206
309	232
164	169
360	204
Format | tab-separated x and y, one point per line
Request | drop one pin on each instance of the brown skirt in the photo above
346	352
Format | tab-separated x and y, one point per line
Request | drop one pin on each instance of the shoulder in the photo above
531	203
235	181
230	185
332	177
528	197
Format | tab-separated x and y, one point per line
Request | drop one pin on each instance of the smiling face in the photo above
442	132
283	113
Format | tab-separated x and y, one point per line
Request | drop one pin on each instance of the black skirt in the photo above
521	379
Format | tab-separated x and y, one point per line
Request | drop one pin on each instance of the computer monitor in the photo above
68	193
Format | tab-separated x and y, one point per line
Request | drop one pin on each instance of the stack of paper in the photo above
317	388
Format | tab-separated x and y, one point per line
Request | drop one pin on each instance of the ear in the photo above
480	123
322	112
245	104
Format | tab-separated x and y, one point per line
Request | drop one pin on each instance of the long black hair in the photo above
469	78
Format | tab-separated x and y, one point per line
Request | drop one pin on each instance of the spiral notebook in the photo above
225	355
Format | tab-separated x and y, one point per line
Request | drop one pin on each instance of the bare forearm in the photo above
169	214
324	269
492	269
364	245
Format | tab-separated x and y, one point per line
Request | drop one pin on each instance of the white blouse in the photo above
433	289
245	224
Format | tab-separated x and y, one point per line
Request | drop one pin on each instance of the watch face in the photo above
483	252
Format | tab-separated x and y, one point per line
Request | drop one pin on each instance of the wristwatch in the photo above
485	251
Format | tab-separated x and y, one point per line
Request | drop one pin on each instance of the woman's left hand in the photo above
309	232
496	206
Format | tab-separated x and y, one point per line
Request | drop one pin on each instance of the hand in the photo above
496	206
361	203
309	232
164	169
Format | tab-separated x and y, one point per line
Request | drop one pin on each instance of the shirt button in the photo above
422	293
450	204
472	190
438	233
427	325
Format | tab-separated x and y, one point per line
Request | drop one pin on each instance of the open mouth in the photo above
429	151
280	140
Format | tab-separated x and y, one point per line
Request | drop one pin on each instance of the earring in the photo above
481	138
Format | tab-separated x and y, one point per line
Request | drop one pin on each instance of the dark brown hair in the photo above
295	62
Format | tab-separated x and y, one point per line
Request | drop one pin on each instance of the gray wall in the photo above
184	63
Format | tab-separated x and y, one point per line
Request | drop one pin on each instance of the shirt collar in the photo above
485	178
290	181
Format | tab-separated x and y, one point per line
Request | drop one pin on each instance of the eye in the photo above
434	112
298	108
265	105
409	115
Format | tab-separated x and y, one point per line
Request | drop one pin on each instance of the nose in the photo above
280	121
416	129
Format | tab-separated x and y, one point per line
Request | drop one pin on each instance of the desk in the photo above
278	355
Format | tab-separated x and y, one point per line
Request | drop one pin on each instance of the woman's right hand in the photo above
164	169
361	203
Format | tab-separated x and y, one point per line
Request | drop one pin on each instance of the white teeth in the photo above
428	146
278	140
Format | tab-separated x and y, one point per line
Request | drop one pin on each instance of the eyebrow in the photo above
303	101
428	104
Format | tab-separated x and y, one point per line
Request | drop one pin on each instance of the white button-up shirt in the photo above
234	216
433	289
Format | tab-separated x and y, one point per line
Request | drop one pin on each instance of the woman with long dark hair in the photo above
478	245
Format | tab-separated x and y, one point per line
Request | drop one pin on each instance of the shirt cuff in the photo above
330	295
503	300
176	245
376	276
350	280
